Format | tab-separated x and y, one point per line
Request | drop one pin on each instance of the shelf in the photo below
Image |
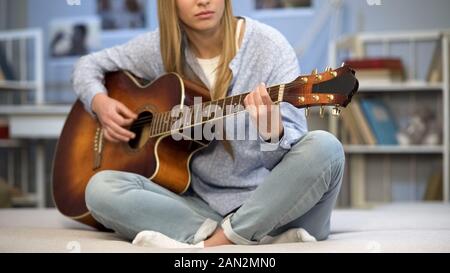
47	109
62	61
376	204
28	200
18	85
393	149
10	143
35	121
367	164
399	86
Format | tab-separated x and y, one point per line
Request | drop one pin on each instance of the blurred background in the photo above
396	132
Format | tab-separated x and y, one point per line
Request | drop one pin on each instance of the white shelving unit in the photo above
391	149
20	53
24	49
356	46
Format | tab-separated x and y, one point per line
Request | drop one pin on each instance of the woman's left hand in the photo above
263	111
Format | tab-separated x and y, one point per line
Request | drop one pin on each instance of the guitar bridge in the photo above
98	147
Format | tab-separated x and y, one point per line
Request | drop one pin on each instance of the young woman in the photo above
239	193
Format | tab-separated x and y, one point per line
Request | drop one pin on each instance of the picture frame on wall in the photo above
282	4
74	37
122	14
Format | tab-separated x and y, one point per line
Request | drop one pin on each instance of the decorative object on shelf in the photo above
378	70
422	129
74	36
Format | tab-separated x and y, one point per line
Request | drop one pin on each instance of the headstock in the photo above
329	88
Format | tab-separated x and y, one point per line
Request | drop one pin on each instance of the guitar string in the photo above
177	130
142	122
171	130
271	92
146	120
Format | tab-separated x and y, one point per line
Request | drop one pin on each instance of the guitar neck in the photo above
202	113
332	87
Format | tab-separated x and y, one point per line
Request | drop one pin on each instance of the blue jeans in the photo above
300	192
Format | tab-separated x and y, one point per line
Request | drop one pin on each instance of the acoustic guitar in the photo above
154	153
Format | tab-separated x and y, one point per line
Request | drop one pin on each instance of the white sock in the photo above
149	238
294	235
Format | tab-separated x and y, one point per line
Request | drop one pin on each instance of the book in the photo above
351	132
378	70
343	134
4	128
381	121
5	194
435	69
358	178
380	75
375	63
2	76
362	124
5	67
433	191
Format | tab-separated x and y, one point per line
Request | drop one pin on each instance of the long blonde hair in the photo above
170	30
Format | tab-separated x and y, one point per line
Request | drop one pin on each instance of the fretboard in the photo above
201	113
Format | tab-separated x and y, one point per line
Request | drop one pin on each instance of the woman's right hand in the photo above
113	116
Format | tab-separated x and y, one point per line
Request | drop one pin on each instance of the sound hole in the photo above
141	127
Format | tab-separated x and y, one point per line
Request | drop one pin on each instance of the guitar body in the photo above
82	151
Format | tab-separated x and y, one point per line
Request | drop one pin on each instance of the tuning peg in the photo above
322	111
304	79
316	74
330	70
330	98
316	97
306	111
336	112
301	99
